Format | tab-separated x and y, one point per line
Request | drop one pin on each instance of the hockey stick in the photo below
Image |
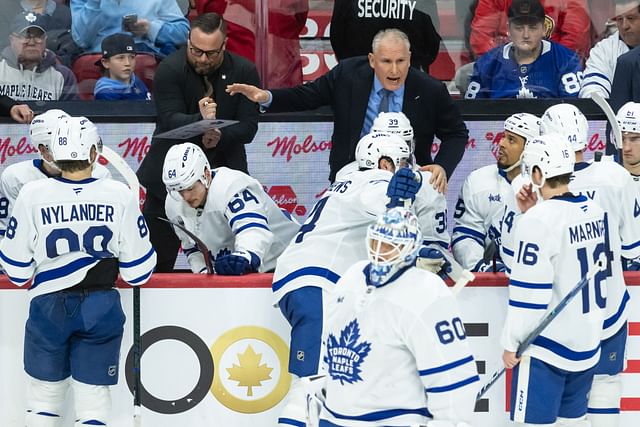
199	243
461	276
548	318
611	117
132	180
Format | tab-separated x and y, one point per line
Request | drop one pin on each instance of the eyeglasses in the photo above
30	37
211	54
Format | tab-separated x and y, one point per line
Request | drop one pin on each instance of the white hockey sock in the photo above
572	422
45	400
604	401
93	404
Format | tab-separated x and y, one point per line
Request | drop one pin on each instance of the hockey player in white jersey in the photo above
396	352
557	242
628	119
243	228
70	236
611	187
327	244
485	193
18	174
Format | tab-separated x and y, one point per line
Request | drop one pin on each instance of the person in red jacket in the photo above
286	20
566	22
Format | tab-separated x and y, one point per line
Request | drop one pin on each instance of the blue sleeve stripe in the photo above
137	261
14	262
65	270
306	271
631	246
252	225
380	415
247	215
460	238
189	251
469	231
291	422
18	280
446	367
530	285
614	318
603	410
139	279
440	243
599	75
507	251
527	305
459	384
563	351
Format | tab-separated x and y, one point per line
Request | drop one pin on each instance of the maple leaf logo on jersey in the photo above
344	357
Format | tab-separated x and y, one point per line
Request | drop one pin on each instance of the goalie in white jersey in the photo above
557	241
486	192
71	236
243	228
327	244
18	174
396	352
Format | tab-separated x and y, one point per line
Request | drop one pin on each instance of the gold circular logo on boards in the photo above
251	369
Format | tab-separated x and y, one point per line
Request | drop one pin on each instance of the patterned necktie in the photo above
384	102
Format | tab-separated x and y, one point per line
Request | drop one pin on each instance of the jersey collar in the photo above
69	181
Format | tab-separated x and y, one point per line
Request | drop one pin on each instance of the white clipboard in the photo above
195	129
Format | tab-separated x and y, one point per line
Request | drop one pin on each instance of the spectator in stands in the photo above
21	113
158	26
189	86
281	48
118	64
357	89
566	22
28	70
353	26
528	66
601	65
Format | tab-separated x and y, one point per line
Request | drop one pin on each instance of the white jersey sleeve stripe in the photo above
380	415
247	215
530	285
469	232
65	270
446	367
306	271
454	386
251	225
528	306
563	351
138	261
614	318
141	279
14	262
631	246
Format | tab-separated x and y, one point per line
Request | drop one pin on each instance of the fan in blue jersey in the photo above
70	236
396	352
528	66
118	64
557	242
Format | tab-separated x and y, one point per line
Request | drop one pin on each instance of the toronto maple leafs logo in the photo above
344	357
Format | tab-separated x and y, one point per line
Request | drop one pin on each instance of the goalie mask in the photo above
74	138
628	117
392	243
551	153
374	146
395	124
569	122
184	165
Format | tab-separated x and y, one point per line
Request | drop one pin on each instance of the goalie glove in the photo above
237	263
432	260
404	185
487	267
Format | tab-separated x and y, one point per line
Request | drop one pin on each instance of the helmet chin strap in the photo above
513	166
51	164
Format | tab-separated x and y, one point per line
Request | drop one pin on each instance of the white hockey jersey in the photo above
238	215
396	355
15	176
601	66
479	210
556	242
612	188
60	229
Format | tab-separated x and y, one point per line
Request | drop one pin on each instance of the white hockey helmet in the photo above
393	243
524	124
43	125
73	139
568	121
628	117
551	153
396	124
184	165
373	146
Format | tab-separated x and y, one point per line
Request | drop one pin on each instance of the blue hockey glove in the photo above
403	186
237	263
487	267
631	264
431	259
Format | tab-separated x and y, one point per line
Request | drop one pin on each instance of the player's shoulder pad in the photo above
485	178
419	289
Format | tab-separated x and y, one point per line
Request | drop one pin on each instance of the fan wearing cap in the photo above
28	70
118	64
529	66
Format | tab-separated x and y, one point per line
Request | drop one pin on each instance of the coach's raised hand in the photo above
253	93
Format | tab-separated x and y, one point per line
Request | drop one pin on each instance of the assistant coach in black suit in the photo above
352	89
189	85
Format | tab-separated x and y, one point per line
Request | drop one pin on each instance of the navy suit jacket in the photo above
346	88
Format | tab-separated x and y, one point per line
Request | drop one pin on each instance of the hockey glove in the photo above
487	267
237	263
631	264
432	260
404	185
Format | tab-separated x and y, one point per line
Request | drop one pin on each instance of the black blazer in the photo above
176	92
6	104
346	88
